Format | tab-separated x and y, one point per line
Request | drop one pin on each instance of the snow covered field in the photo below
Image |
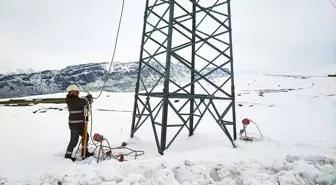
297	117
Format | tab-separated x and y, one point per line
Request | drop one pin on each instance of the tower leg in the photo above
232	74
192	77
167	76
137	85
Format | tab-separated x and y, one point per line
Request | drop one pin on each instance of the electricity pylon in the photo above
197	37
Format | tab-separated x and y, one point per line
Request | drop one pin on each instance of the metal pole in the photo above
166	82
139	71
192	87
232	75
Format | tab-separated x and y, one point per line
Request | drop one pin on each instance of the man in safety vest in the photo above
76	107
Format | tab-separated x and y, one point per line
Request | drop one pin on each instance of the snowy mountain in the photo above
89	77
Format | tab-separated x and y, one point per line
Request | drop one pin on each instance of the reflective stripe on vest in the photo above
76	121
76	111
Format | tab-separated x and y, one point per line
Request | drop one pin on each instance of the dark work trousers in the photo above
76	130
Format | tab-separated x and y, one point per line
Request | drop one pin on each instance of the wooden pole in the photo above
84	137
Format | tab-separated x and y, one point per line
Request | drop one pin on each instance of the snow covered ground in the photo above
297	117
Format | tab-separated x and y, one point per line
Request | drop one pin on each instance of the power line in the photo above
115	46
332	3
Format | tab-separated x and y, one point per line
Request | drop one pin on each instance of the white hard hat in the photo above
72	87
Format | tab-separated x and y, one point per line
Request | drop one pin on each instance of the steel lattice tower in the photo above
196	37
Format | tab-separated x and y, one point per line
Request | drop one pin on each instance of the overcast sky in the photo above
268	34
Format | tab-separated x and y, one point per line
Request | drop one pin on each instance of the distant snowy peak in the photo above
89	77
17	71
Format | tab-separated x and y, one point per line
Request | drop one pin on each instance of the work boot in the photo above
87	154
68	156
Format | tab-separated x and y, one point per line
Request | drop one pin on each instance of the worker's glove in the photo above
89	98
